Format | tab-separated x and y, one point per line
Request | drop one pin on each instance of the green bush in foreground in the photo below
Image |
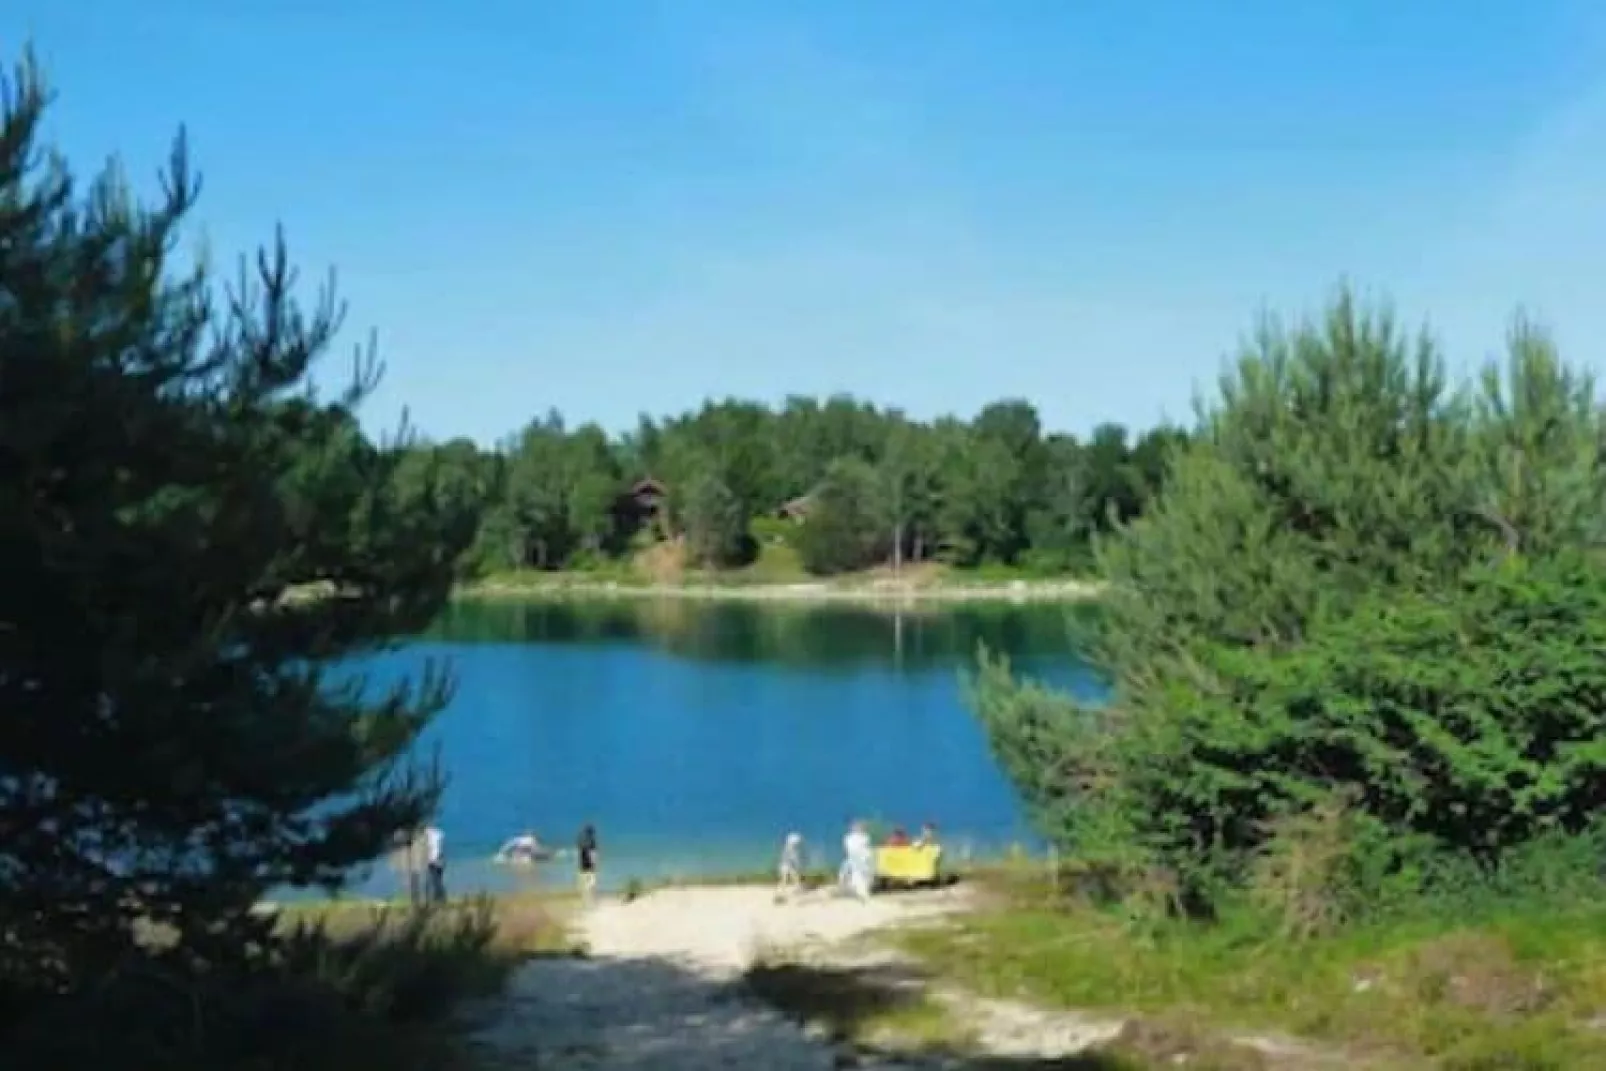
1359	593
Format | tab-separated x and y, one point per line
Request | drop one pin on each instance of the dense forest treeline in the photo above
838	484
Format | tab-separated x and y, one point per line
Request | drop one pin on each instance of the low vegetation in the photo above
1501	972
924	1010
1488	979
346	988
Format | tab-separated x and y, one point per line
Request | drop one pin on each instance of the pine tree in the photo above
1297	613
171	491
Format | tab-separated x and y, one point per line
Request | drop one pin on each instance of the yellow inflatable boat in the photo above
908	864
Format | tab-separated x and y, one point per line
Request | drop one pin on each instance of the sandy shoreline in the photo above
888	592
660	987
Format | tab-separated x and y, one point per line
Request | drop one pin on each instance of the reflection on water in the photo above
820	637
696	734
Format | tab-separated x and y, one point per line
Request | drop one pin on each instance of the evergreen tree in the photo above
1315	602
849	522
171	491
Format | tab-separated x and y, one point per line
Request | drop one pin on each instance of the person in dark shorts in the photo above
586	858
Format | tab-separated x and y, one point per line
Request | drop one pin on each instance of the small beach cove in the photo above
696	734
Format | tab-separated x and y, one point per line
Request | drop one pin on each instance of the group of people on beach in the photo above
526	849
422	857
857	873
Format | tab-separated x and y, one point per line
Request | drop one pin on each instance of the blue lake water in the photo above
696	734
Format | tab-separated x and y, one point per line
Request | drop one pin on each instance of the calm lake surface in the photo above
696	734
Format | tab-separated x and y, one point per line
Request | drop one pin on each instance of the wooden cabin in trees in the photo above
641	505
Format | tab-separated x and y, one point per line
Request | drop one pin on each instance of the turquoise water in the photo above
696	734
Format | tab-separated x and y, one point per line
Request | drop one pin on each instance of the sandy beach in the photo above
660	987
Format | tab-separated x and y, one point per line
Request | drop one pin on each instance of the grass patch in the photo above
1517	988
887	1010
350	987
776	563
507	928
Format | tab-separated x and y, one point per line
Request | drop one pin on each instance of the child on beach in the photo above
586	852
791	868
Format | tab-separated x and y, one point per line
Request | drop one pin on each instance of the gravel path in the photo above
660	991
636	1015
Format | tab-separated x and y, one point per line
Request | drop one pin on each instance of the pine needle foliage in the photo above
1360	579
171	488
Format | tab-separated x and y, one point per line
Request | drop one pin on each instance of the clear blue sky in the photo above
610	207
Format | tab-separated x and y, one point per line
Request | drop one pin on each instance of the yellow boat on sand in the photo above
909	864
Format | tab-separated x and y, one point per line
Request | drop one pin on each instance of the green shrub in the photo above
848	526
1356	577
1469	720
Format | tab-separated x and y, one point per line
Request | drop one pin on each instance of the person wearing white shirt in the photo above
858	862
791	867
435	864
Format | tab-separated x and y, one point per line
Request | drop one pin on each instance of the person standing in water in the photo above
586	859
525	848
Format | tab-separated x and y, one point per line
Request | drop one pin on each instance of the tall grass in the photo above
346	989
1452	963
